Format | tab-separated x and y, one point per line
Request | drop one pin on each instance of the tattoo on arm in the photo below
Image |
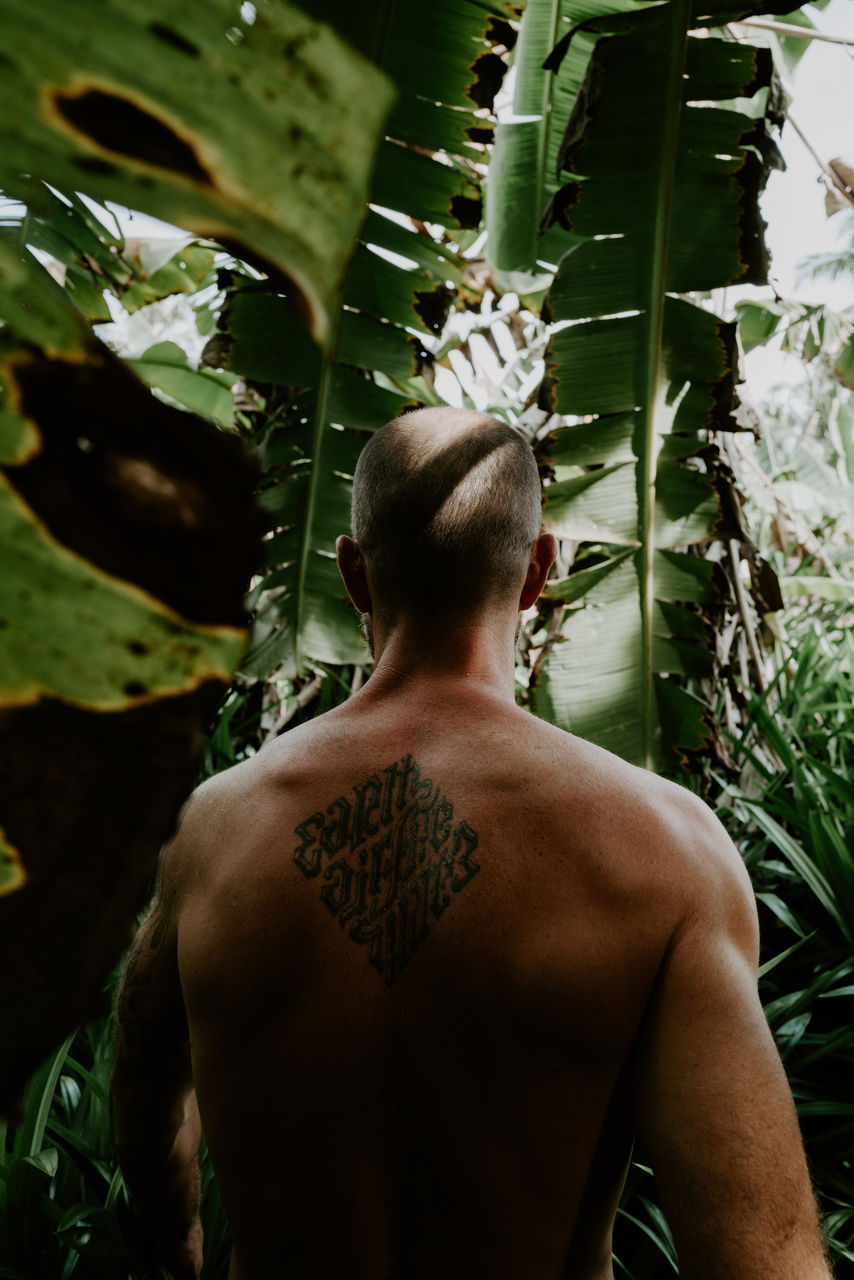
389	857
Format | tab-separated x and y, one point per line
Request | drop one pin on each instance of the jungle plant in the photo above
128	527
792	817
64	1210
628	421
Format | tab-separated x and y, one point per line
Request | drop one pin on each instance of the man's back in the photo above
427	963
418	948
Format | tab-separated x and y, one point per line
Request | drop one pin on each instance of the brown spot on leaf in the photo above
546	392
489	71
432	306
760	157
160	499
501	32
216	352
121	126
95	165
466	210
483	135
423	360
766	585
559	206
722	400
170	36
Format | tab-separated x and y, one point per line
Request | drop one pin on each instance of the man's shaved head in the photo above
446	508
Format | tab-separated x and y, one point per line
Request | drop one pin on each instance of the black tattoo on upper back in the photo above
389	856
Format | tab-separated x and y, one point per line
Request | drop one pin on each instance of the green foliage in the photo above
810	331
649	373
118	594
801	482
665	372
524	171
183	114
792	816
655	198
792	48
396	297
92	256
64	1212
205	392
79	613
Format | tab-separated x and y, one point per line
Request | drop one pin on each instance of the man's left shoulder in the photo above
208	816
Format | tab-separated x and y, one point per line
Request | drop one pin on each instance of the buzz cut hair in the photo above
446	508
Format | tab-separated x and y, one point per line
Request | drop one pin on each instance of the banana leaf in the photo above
659	200
397	293
128	535
92	257
233	128
122	615
205	392
524	169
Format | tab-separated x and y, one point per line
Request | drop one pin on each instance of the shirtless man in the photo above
428	964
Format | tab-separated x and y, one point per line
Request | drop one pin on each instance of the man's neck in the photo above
476	654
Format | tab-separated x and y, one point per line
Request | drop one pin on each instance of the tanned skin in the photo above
428	965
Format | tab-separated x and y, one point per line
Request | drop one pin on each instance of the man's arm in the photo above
712	1103
157	1122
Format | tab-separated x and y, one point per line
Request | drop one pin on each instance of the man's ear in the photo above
543	553
352	569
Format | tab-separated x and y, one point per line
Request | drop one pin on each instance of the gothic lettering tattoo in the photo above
389	856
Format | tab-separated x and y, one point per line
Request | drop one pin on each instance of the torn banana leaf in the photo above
661	178
128	534
399	287
240	131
